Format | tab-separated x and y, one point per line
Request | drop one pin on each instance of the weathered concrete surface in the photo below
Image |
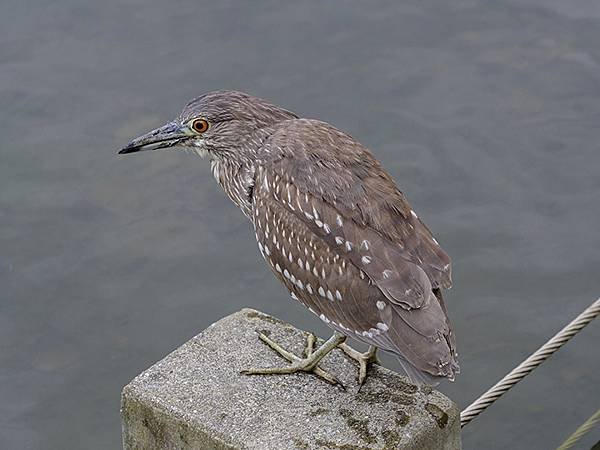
196	398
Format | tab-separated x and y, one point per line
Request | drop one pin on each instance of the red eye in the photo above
200	125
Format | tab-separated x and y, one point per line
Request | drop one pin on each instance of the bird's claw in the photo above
363	360
306	364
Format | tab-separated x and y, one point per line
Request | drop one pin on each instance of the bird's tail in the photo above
423	341
418	376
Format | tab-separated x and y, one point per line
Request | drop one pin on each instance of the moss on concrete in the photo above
402	418
439	415
359	426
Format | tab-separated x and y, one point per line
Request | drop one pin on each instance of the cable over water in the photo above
527	366
581	431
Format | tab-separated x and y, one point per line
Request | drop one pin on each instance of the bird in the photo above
334	228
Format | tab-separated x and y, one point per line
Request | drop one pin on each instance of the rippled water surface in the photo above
486	113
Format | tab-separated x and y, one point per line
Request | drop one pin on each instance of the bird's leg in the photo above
310	345
307	364
363	359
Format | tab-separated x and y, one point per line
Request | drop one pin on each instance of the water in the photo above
486	113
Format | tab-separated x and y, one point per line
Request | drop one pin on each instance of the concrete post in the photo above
195	398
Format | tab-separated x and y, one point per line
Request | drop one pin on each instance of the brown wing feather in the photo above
323	260
347	178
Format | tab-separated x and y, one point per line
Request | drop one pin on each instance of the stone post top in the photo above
196	398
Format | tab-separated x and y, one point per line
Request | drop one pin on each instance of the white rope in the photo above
527	366
581	431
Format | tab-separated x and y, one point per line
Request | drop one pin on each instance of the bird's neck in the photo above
236	174
237	180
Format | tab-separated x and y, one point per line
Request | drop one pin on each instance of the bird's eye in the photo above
199	125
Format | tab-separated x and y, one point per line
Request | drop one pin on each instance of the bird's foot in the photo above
309	363
363	359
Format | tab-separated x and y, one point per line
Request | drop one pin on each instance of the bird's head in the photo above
216	124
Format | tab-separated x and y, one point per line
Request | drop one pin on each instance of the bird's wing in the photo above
327	275
342	192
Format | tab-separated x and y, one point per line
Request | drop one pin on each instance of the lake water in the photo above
486	113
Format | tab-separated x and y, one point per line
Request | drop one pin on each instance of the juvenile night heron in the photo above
332	225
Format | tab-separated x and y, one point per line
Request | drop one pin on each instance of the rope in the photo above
527	366
579	432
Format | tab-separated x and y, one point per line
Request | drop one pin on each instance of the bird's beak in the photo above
166	136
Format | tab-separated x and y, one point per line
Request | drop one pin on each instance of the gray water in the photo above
486	113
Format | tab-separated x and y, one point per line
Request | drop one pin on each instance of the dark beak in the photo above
166	136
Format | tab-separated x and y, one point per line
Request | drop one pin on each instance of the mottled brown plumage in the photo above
330	222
